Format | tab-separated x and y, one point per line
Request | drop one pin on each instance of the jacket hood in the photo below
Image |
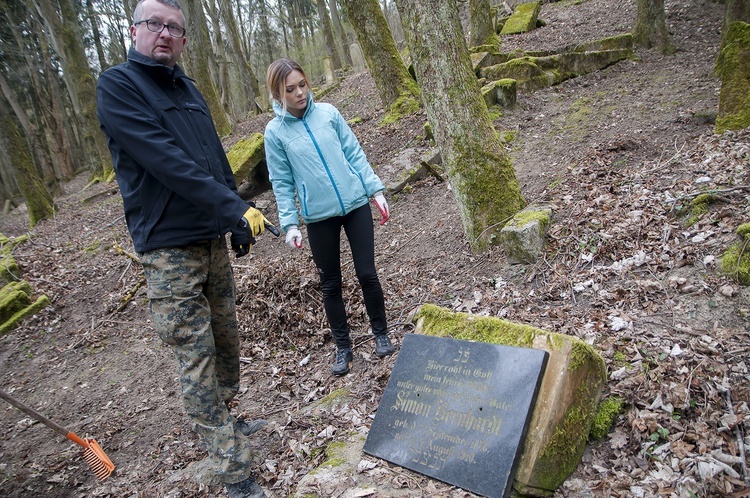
284	115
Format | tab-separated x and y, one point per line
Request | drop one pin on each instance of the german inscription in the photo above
458	411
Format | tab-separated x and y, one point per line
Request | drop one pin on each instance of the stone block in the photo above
567	401
248	156
523	236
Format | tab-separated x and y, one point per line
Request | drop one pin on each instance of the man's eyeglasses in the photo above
158	26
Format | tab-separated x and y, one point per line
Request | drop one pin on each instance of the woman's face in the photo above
295	93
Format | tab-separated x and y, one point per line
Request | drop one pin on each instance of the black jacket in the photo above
174	177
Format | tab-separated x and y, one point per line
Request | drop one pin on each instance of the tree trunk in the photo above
733	68
478	168
200	53
38	199
736	10
650	29
346	58
221	61
245	74
94	21
386	66
266	34
325	25
38	149
482	27
66	39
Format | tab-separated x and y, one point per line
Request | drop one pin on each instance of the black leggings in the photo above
325	244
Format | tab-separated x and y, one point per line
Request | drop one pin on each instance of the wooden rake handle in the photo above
41	418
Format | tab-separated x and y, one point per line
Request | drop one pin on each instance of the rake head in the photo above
98	461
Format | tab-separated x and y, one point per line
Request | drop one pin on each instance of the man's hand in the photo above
294	237
382	206
255	220
241	244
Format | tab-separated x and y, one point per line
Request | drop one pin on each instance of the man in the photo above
180	200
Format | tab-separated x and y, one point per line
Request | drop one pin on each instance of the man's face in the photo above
162	47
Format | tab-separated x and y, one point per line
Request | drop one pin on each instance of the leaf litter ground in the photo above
619	154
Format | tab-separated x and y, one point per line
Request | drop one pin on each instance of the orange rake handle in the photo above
100	464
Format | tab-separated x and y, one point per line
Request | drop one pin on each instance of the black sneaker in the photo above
245	489
249	427
383	346
344	357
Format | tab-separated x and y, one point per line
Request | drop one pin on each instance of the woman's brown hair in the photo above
276	75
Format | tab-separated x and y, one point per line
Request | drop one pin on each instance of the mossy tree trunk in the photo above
650	29
325	25
264	44
386	66
248	80
736	10
199	52
482	26
38	199
220	67
733	68
66	37
338	29
478	168
37	142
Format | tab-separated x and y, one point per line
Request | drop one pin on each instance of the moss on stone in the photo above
9	270
334	397
334	452
699	207
245	155
561	454
523	19
531	215
743	231
609	410
736	262
41	303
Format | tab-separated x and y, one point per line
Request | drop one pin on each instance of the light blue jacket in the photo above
318	159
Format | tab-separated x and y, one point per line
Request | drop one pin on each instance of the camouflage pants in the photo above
192	298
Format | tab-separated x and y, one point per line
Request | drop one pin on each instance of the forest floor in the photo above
630	268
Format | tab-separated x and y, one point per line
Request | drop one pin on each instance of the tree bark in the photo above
650	29
221	61
478	168
247	79
200	53
736	10
387	68
733	68
325	25
38	150
94	21
66	39
38	199
338	29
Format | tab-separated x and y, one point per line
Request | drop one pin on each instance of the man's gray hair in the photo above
171	3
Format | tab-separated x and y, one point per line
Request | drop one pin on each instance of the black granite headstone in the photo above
458	411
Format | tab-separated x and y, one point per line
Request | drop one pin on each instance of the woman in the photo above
315	160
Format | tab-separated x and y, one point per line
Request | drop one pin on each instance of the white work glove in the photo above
382	206
294	237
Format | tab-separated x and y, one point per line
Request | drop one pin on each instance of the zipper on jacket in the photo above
325	165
